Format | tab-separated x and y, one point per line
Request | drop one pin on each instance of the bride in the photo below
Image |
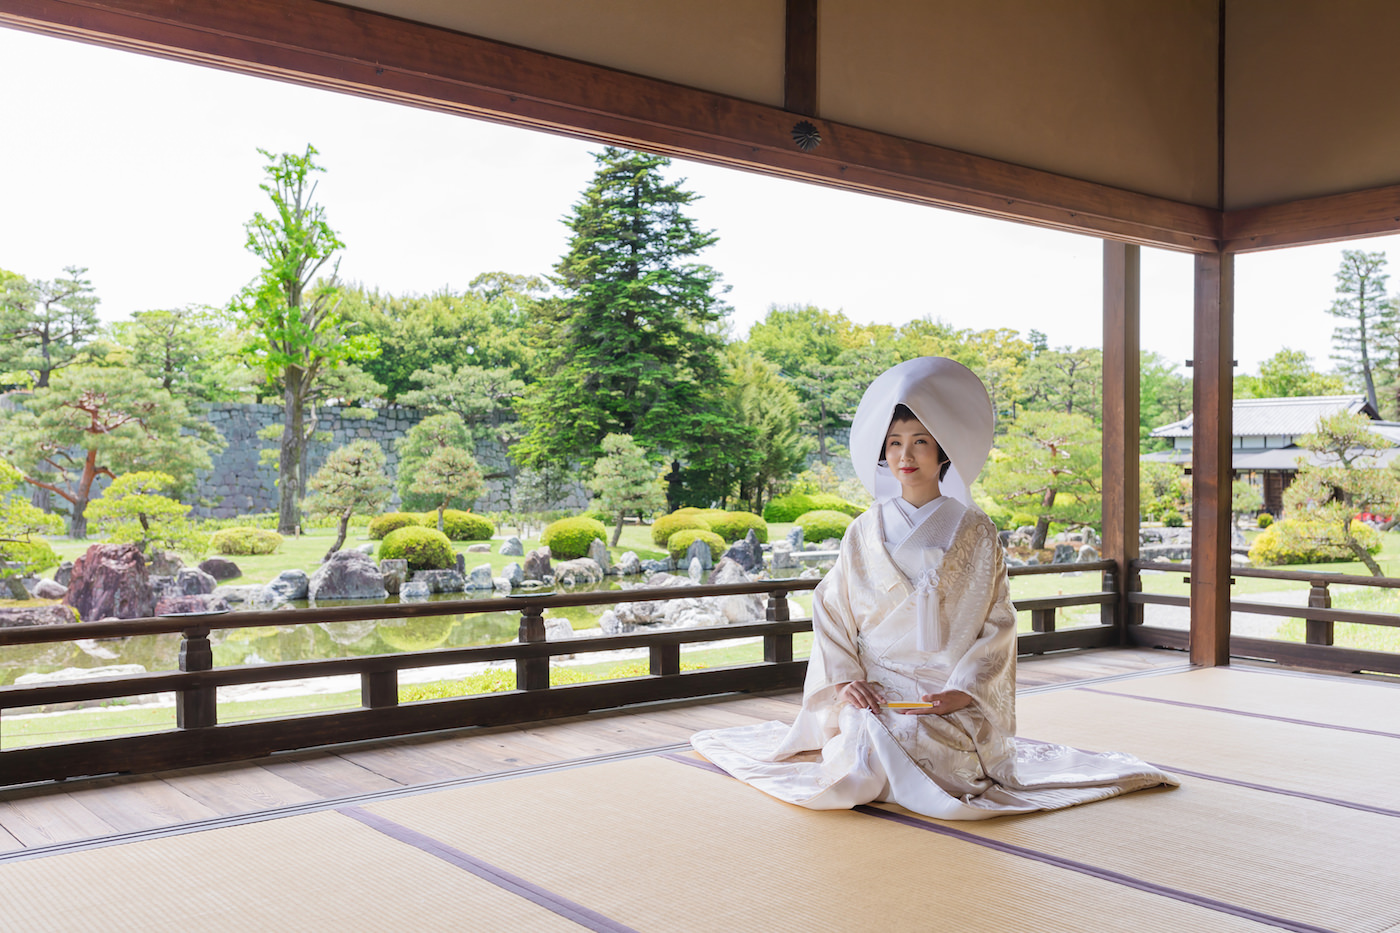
910	695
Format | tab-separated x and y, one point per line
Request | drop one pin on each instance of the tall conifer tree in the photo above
633	345
1363	305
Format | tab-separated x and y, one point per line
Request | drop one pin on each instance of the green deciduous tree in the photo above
290	312
632	346
96	422
1049	464
808	344
192	352
1068	380
21	525
1165	397
625	481
45	325
1288	373
449	475
1348	478
1245	500
353	479
134	510
767	408
1366	312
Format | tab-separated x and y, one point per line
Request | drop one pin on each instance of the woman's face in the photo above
914	460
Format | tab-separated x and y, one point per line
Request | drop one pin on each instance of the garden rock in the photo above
628	564
745	553
736	609
441	581
811	573
479	548
462	564
198	602
220	568
243	593
782	556
367	548
830	544
64	574
557	629
48	589
110	581
537	565
165	564
598	553
1064	554
696	571
1088	553
480	578
37	615
347	575
513	574
512	547
191	581
658	566
581	572
794	537
414	591
286	586
395	574
700	551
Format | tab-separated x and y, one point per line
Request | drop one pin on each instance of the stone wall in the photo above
238	484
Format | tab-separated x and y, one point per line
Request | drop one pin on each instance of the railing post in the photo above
532	673
196	708
1108	612
1043	620
777	648
379	689
1319	632
665	659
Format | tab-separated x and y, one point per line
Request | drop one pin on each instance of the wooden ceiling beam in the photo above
1348	216
358	52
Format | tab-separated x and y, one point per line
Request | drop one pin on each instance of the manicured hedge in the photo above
569	538
731	526
788	508
465	526
1297	541
821	524
381	525
241	542
423	548
680	520
680	542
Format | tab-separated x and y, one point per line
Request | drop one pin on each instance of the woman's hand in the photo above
860	694
941	704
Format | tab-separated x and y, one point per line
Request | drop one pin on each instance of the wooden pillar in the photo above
1122	278
1212	413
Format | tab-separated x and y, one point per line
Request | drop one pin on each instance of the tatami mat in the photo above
666	844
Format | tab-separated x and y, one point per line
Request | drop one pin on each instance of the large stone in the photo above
794	537
696	570
347	575
64	574
513	574
48	589
286	586
581	572
557	629
395	573
746	554
598	553
37	615
628	565
198	602
830	544
441	581
1065	554
242	593
481	547
666	565
110	582
480	578
512	547
220	568
537	565
414	591
1088	553
700	551
782	556
191	581
165	564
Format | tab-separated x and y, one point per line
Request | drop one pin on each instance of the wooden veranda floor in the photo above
50	818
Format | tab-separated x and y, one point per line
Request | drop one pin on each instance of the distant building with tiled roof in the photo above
1266	433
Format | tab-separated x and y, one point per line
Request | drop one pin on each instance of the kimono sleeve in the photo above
835	651
987	671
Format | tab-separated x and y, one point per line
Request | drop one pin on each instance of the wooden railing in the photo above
1317	650
199	738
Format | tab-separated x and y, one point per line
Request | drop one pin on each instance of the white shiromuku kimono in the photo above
918	610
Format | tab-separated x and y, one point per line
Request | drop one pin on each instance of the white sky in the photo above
145	171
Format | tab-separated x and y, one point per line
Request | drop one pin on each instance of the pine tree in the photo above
1362	303
633	345
625	482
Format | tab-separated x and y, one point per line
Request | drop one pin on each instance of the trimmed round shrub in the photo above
787	508
381	525
568	538
465	526
680	542
1300	541
235	542
821	524
1265	520
1173	519
667	525
828	502
731	526
423	548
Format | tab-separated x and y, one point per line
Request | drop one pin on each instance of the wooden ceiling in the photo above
1198	125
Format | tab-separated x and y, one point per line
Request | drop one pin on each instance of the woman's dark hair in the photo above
902	413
